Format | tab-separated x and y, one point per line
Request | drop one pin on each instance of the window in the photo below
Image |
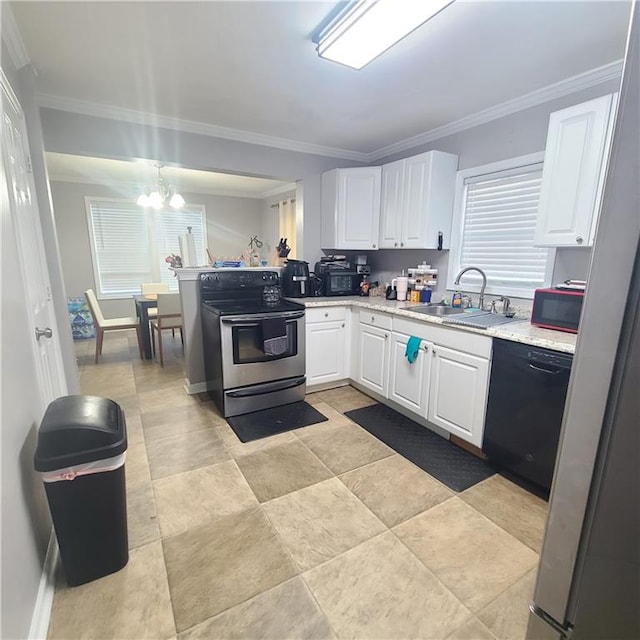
497	207
129	244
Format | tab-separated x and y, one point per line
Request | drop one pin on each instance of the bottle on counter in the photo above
364	286
456	299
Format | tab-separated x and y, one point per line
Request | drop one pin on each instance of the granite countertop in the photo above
521	330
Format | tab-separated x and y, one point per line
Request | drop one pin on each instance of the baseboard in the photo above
196	387
325	386
44	600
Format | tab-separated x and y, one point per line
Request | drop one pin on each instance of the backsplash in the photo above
386	264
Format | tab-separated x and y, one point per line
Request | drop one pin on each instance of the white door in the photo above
391	205
16	169
374	359
416	198
458	393
359	207
574	163
409	384
325	352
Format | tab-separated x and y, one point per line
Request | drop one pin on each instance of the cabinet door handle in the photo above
402	244
373	245
579	239
425	347
326	315
395	244
372	319
386	335
342	325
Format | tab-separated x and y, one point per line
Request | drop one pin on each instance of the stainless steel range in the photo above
254	341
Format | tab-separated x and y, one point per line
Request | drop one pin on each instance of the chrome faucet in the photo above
482	288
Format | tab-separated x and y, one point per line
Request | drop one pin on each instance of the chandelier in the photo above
160	194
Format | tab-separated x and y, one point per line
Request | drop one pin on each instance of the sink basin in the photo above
481	321
435	310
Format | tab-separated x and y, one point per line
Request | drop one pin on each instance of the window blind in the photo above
130	244
122	257
498	229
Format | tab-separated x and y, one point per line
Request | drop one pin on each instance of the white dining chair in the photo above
169	317
151	288
103	324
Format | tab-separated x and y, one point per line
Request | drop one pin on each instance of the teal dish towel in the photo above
413	346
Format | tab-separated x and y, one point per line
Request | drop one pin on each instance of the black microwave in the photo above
340	283
557	309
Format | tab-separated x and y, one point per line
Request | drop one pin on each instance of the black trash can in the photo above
81	449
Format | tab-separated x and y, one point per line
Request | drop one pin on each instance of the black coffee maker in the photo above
295	279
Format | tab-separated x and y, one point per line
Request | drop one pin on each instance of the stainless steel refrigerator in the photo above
588	583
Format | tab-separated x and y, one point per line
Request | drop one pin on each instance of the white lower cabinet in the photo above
458	393
409	383
327	345
372	359
446	386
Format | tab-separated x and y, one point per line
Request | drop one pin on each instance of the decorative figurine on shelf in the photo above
175	262
254	254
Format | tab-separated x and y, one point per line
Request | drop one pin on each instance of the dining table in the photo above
143	304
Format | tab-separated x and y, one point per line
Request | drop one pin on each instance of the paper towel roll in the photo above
188	249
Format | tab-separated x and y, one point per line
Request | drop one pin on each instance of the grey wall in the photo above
24	514
508	137
231	222
514	135
78	134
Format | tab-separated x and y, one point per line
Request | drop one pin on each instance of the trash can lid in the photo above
78	429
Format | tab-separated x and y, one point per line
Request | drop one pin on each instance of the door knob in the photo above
47	333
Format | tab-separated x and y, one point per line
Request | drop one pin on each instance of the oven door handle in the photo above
252	319
267	388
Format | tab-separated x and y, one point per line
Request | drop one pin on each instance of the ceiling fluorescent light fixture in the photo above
367	28
161	194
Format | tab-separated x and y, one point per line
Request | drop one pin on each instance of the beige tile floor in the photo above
322	532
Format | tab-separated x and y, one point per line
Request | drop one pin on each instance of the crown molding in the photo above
135	187
50	101
594	77
611	71
278	190
13	38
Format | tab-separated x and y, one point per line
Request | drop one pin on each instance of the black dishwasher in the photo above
527	393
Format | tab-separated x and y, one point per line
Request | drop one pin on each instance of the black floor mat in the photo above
261	424
447	462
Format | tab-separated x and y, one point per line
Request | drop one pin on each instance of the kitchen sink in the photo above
435	310
481	320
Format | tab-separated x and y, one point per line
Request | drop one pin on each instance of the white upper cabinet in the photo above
417	201
391	204
575	159
351	208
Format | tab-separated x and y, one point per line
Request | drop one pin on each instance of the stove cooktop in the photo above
249	307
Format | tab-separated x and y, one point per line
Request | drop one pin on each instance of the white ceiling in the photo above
118	173
251	66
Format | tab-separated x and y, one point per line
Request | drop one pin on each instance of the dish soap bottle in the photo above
456	299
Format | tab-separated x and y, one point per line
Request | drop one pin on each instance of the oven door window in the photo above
248	343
